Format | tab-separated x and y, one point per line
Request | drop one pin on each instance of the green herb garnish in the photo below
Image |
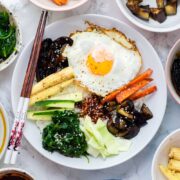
64	135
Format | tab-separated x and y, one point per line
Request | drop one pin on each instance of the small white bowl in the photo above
13	56
22	172
170	60
4	130
161	155
171	23
51	6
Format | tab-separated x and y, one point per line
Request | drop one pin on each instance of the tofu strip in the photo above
52	80
47	93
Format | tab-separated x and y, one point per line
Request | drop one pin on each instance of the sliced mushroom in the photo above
127	105
132	132
139	119
158	14
146	112
124	113
111	128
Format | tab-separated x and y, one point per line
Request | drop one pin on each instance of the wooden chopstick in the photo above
30	73
19	121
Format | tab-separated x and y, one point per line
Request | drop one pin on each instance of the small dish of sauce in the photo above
14	175
175	73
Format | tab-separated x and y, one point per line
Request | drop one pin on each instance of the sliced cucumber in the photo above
45	115
56	103
76	97
31	116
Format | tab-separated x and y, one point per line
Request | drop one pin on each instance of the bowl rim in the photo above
18	46
169	62
7	129
158	149
139	24
123	23
59	9
16	169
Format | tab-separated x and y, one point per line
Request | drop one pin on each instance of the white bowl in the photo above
15	170
4	130
14	55
170	60
157	102
171	23
51	6
161	155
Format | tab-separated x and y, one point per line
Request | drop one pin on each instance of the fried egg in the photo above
103	60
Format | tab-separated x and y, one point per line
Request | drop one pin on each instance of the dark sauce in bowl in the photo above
14	175
175	74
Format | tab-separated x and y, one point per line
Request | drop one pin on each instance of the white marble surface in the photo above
138	168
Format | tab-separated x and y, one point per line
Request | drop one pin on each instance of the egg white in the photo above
126	65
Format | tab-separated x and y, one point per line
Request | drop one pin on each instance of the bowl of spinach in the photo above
10	37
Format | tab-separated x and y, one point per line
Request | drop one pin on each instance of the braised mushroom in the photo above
127	105
111	127
132	132
146	112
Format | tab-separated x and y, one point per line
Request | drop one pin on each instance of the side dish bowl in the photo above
161	155
51	6
4	130
16	173
170	60
171	23
14	55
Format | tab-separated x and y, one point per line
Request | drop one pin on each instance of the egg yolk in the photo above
100	61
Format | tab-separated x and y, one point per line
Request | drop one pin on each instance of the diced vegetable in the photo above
143	93
76	97
52	80
175	153
171	8
56	104
47	93
139	78
131	90
100	141
158	14
160	3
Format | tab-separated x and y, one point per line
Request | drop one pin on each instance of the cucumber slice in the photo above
76	97
56	103
45	115
31	116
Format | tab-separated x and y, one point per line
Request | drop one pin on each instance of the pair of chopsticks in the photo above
19	121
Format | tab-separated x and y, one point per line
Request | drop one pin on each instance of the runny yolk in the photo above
100	61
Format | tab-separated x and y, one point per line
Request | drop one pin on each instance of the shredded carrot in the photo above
60	2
